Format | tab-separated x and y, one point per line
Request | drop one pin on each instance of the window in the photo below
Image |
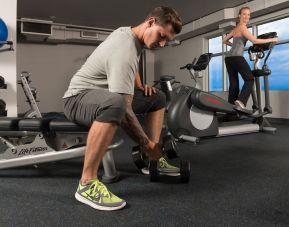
216	65
279	58
279	26
216	74
215	45
278	63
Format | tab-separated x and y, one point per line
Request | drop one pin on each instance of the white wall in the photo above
169	60
51	68
8	11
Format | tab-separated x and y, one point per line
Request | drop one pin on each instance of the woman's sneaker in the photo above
164	168
96	195
240	104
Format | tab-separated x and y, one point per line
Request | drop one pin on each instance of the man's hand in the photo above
148	90
154	150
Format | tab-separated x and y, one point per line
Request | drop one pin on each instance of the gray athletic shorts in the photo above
95	105
104	106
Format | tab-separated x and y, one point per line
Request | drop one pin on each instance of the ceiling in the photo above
115	13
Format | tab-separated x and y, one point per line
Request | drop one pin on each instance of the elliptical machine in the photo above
193	113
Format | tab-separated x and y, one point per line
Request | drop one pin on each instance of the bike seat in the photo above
167	78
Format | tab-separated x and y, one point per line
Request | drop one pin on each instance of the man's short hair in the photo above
165	15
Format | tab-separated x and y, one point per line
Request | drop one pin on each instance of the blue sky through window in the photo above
279	58
215	45
216	74
278	62
279	26
215	66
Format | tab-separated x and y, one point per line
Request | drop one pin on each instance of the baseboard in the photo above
274	120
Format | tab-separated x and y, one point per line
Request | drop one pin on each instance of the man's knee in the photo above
119	104
162	98
115	111
159	101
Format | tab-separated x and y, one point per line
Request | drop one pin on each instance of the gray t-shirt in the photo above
113	65
238	46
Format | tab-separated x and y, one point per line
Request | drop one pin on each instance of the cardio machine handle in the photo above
189	66
175	82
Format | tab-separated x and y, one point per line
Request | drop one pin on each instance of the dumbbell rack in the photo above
3	85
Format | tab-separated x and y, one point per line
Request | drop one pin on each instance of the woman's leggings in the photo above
235	65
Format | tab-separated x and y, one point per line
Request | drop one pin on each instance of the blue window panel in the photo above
279	26
278	62
215	45
216	74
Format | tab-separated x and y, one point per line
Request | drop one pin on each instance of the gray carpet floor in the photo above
235	181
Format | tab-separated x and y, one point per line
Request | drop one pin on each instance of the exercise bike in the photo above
193	114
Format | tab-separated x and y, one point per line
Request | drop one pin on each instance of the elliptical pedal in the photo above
243	111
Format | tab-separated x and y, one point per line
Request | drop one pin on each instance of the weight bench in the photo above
32	141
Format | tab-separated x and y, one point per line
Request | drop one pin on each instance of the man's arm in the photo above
148	90
133	128
138	83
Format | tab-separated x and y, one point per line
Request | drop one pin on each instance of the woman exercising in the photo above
236	63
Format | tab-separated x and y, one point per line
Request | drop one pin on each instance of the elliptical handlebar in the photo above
189	66
201	63
264	46
258	50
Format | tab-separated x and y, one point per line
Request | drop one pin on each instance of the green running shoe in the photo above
164	168
96	195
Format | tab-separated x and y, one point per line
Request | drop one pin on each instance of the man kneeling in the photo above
106	92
